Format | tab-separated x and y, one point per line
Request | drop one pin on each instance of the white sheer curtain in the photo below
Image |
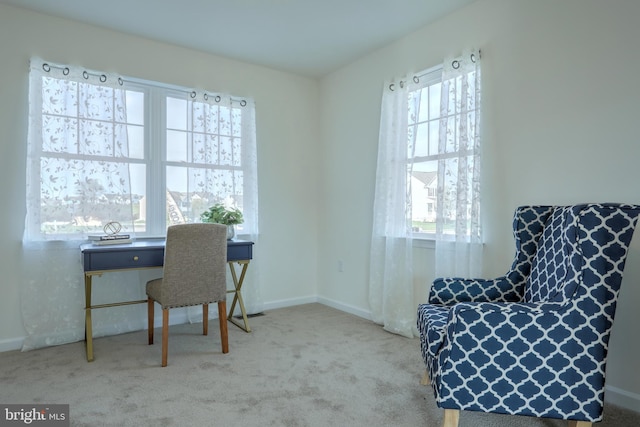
458	227
391	269
77	139
234	179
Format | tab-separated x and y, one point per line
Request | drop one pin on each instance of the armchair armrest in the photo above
449	291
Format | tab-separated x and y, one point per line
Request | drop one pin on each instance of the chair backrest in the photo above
195	262
572	237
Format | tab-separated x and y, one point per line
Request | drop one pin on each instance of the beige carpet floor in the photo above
307	365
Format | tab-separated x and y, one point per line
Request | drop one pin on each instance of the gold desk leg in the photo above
88	330
237	297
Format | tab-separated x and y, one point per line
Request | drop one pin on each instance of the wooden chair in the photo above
194	273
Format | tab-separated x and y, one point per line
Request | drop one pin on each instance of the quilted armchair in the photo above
533	342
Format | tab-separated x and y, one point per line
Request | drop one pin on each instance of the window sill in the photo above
425	243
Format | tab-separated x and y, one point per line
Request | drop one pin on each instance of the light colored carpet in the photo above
307	365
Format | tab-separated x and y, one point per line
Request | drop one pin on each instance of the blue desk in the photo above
143	254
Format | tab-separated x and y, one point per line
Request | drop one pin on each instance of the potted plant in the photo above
219	214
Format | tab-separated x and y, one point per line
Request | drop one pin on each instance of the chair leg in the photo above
224	332
451	418
573	423
150	304
425	378
205	319
165	335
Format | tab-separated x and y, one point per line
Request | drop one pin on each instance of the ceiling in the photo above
306	37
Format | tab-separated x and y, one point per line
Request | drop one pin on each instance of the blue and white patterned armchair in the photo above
533	342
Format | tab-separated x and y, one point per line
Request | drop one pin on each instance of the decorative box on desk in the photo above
98	259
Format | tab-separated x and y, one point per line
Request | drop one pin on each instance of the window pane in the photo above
236	122
422	139
97	102
176	113
81	195
194	189
59	134
176	146
136	141
96	138
135	107
434	100
59	97
423	197
424	105
434	135
138	174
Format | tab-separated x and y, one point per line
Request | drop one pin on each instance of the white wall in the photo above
287	136
560	126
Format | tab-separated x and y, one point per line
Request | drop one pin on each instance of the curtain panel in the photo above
458	225
458	232
391	261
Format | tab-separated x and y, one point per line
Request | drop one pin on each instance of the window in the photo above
423	135
443	154
106	148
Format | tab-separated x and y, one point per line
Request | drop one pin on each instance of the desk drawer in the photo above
239	251
124	259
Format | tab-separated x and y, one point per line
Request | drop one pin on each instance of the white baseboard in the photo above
273	305
622	398
11	344
365	314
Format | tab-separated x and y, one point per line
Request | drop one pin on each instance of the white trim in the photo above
423	243
356	311
11	344
623	398
273	305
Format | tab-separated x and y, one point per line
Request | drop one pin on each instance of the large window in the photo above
443	145
106	148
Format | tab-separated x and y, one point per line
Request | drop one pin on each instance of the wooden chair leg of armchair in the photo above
425	378
573	423
451	418
224	331
165	335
